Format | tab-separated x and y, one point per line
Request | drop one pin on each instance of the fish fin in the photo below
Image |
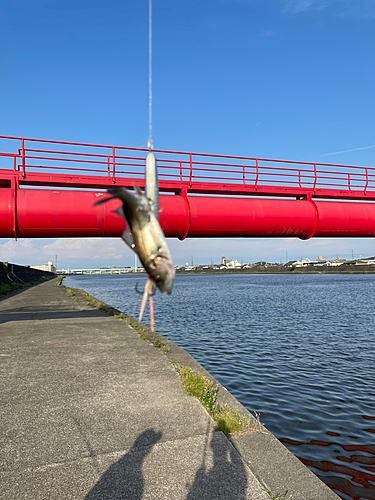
137	189
103	200
128	237
114	193
120	212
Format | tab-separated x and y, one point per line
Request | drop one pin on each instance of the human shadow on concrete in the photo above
226	478
124	479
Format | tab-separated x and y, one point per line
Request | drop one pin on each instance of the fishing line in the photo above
150	139
144	300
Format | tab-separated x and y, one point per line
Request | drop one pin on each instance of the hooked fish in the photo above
144	235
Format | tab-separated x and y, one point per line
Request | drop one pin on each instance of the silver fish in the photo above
144	235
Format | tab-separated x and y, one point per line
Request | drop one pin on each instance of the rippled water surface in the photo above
298	349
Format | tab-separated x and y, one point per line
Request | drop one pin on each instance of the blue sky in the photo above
290	79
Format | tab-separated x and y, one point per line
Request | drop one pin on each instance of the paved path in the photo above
90	411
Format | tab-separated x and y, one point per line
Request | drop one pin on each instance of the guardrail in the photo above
58	163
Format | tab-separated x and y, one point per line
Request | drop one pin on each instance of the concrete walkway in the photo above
88	410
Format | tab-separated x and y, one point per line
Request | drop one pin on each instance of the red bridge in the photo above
48	189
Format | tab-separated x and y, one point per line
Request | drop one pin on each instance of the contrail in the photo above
349	150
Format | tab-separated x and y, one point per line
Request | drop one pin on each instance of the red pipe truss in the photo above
47	213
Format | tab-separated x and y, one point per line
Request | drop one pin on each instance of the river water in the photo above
297	349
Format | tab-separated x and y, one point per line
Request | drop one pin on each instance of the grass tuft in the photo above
59	280
227	419
196	385
91	301
120	316
144	334
278	497
10	287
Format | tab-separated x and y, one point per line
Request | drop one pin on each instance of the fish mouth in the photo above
162	275
167	289
164	285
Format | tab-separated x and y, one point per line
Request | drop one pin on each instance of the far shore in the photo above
344	269
269	269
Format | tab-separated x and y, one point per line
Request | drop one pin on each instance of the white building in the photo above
335	263
229	264
49	267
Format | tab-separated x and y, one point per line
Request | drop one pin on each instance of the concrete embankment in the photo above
21	274
89	411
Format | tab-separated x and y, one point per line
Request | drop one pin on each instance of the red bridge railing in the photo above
64	164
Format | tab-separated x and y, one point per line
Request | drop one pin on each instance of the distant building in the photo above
229	264
49	267
336	262
302	263
290	263
307	262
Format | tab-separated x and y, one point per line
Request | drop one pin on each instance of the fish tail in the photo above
114	194
100	202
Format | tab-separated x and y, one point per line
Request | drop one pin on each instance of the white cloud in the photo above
360	9
322	243
27	251
356	9
266	34
21	250
86	248
298	6
364	9
349	150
